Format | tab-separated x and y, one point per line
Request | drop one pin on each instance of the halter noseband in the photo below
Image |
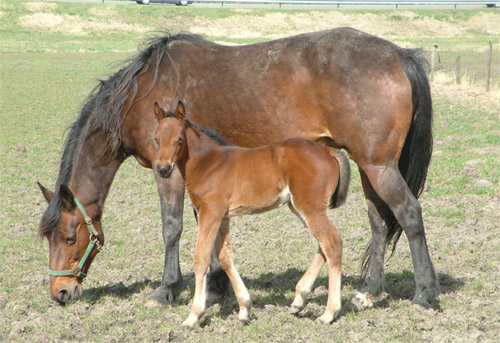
93	241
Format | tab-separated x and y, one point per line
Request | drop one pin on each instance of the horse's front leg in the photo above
171	192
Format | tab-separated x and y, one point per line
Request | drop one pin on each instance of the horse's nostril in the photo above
63	296
164	169
77	292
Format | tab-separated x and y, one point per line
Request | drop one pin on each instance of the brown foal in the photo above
224	181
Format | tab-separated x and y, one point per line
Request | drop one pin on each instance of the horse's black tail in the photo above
340	194
417	149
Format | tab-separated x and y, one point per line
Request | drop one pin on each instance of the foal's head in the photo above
170	137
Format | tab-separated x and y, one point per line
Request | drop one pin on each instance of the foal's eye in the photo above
180	140
70	240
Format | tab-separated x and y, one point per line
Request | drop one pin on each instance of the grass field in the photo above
51	56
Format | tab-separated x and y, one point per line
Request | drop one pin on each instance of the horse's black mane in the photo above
104	110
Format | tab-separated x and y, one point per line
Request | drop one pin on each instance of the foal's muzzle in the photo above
164	169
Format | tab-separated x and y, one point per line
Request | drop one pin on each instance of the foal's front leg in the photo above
209	224
225	256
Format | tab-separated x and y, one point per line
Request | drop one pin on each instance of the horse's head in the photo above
170	138
74	238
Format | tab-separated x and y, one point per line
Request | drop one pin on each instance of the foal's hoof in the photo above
325	319
359	301
190	322
295	309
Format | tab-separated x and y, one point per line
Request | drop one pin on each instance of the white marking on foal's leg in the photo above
333	305
199	301
304	286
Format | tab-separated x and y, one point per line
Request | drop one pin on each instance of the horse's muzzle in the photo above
68	294
164	169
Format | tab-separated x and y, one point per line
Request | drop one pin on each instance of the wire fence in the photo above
478	66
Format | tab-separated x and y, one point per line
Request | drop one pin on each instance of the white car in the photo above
176	2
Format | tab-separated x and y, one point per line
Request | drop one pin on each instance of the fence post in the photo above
458	77
488	67
433	60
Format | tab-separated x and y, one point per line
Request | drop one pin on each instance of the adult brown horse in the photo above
341	87
224	181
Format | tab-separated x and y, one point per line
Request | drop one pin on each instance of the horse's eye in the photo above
180	140
70	240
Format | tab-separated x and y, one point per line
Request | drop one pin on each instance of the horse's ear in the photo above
67	198
159	112
181	110
47	194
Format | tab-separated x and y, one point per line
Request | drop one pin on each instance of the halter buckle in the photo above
93	238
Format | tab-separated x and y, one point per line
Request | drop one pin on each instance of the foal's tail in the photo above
340	194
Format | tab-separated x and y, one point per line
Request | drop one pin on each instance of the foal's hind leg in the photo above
393	190
331	244
304	286
329	240
225	255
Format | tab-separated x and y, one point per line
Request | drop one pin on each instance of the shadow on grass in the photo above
117	290
398	286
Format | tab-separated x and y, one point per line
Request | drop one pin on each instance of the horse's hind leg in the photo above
304	286
225	255
373	281
393	190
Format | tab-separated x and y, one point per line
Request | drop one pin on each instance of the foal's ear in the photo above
47	194
181	110
67	198
159	112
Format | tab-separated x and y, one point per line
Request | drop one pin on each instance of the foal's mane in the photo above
212	133
104	110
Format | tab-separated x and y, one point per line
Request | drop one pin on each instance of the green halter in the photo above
93	241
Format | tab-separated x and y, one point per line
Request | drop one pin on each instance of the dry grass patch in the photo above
40	6
75	24
401	24
103	11
468	91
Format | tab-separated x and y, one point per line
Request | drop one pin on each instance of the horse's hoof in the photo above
162	297
429	298
421	301
359	301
